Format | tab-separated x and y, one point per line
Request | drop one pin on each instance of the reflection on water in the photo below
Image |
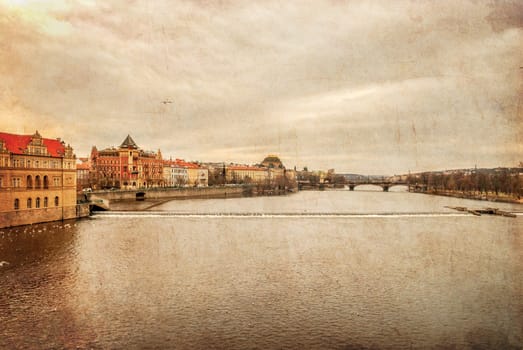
359	201
284	282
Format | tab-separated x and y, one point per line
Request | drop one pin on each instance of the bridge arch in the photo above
352	187
399	186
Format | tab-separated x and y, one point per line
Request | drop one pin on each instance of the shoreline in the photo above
473	196
128	203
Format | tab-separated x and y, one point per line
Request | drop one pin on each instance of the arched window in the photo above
37	202
46	182
29	203
17	204
45	202
38	183
56	201
29	181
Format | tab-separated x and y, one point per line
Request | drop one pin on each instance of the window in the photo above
38	183
56	201
29	182
46	182
56	181
1	181
37	164
29	203
45	202
28	163
37	202
16	181
17	204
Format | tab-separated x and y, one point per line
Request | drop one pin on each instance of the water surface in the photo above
394	281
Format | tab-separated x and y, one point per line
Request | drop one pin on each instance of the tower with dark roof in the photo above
129	143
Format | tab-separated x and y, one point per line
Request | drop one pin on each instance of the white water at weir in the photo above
158	214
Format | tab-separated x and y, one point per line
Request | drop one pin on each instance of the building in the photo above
37	180
272	161
197	176
126	167
238	174
83	171
174	174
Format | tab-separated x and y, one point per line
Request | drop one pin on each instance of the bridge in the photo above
385	185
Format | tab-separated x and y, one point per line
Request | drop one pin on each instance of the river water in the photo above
313	270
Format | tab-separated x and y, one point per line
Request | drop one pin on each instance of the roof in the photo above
17	144
272	161
184	164
129	143
83	166
172	163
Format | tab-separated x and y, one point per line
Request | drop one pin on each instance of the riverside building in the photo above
126	167
37	180
179	173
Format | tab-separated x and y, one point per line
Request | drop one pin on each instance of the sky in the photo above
371	87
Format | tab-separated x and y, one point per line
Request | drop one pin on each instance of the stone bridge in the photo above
385	185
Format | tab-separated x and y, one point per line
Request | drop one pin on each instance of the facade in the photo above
197	176
179	173
174	175
37	180
246	174
270	171
126	167
83	170
292	176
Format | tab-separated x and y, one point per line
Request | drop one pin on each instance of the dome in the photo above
272	161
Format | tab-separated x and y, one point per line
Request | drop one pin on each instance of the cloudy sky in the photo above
376	87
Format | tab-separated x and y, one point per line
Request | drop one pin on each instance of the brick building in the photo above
126	167
37	180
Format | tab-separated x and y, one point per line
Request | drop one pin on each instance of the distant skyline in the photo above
372	87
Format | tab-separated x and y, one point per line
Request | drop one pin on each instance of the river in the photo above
313	270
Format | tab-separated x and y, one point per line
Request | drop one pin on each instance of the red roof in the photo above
183	163
17	144
83	166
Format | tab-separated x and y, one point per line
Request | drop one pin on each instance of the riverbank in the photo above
23	217
145	199
489	197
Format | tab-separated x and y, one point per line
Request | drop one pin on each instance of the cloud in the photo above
326	83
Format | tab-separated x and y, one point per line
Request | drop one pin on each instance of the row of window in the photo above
109	162
20	163
39	182
37	202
